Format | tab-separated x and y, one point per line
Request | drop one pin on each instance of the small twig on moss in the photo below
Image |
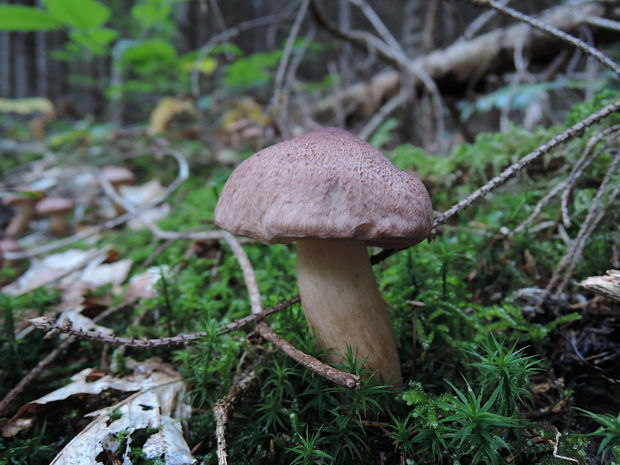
580	44
44	324
581	165
513	169
266	332
336	376
222	409
565	268
567	184
255	317
46	362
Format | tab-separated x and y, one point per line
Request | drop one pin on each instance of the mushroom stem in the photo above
58	224
343	306
19	223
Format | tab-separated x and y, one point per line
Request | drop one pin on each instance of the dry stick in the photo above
509	172
578	169
601	57
45	324
396	57
389	106
222	408
479	23
569	261
181	177
276	100
571	181
227	35
47	361
264	330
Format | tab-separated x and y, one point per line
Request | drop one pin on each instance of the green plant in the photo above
609	431
307	451
505	369
84	20
474	428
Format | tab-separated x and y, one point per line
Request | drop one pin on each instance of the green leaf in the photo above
96	40
149	50
81	14
25	19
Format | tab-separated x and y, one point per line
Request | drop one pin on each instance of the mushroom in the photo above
23	201
8	244
334	194
56	209
118	176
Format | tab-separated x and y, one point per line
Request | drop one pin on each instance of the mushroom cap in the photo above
118	175
327	184
8	244
52	205
21	196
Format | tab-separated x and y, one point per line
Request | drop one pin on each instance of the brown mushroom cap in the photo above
22	196
118	175
327	184
54	205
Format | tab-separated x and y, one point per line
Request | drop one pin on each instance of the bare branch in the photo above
222	409
598	55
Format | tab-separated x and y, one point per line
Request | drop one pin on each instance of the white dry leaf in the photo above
97	275
143	286
50	269
159	404
142	194
153	215
81	322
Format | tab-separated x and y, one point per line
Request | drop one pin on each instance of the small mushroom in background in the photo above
334	194
56	209
118	176
23	200
8	244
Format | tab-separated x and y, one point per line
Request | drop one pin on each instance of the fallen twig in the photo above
566	266
47	361
222	409
339	377
580	44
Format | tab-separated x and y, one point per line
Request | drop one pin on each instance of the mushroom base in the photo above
343	306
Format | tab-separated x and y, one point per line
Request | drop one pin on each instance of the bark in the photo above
454	66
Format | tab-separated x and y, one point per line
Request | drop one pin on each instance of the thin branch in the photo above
265	331
509	172
601	57
339	377
595	215
222	410
389	106
578	169
276	100
513	169
395	56
227	35
46	362
66	327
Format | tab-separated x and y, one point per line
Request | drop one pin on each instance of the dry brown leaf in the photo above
165	111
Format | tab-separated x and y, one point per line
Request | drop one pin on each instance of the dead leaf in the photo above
143	286
165	111
159	404
50	269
